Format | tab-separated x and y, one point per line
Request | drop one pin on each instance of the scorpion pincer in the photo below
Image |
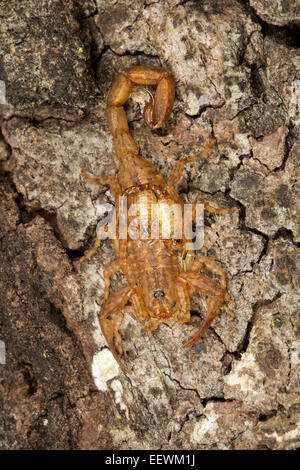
161	273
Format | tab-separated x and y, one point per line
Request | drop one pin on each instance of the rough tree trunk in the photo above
237	70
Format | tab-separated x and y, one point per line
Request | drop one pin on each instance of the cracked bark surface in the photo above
237	78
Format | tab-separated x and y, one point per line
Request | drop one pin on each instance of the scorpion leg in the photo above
91	251
188	256
147	323
213	306
110	179
212	209
184	315
179	165
178	170
206	286
115	304
115	188
214	268
136	299
118	320
211	265
109	270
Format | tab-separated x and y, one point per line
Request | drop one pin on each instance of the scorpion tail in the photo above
156	111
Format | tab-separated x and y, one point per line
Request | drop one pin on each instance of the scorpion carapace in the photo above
161	272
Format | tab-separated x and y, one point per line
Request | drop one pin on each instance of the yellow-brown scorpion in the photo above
162	273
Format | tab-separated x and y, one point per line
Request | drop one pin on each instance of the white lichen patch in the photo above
249	384
259	376
118	389
242	141
295	352
206	429
104	368
288	436
242	377
97	333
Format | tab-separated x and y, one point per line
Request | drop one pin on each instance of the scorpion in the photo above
162	274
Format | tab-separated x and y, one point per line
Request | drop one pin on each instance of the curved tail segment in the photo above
156	112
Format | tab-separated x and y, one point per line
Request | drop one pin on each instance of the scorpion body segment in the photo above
160	272
157	280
